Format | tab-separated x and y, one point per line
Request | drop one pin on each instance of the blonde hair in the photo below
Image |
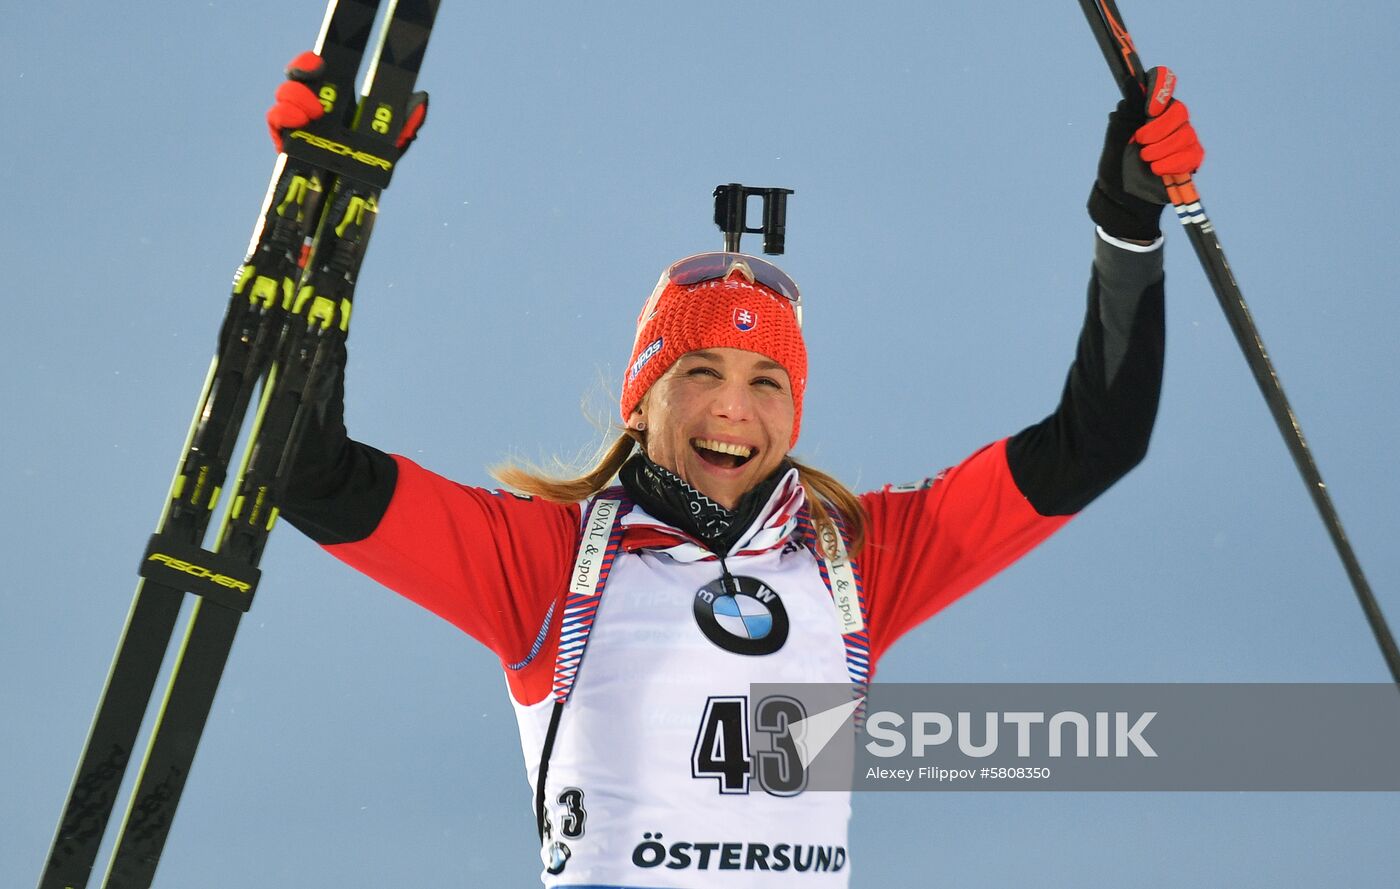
826	497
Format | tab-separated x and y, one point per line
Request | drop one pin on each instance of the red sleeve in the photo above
490	562
927	547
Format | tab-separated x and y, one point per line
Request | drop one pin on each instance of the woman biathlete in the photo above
699	557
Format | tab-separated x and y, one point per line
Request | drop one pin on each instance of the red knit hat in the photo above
733	312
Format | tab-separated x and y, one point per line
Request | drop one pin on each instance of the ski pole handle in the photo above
1131	77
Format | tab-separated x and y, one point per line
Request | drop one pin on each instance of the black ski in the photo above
264	295
363	157
254	319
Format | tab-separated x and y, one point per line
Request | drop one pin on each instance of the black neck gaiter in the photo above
668	497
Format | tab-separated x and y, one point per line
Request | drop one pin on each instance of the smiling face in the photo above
721	419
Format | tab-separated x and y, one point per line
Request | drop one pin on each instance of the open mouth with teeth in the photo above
722	454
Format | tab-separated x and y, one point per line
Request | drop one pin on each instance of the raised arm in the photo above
491	563
1101	427
929	546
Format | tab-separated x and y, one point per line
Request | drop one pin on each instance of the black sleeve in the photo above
1101	428
338	488
345	503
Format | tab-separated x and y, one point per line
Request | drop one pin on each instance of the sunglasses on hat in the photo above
718	266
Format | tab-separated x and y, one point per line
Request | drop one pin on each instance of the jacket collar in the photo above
771	527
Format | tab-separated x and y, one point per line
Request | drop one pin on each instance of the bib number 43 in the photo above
722	751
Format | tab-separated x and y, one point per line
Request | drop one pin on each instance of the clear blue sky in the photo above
941	154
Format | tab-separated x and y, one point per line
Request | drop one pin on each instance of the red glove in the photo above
1145	142
297	105
414	115
1169	142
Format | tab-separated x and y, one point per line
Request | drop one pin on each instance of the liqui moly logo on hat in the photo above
745	319
647	354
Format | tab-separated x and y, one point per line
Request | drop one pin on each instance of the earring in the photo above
641	426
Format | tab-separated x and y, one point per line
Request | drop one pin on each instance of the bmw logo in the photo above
742	615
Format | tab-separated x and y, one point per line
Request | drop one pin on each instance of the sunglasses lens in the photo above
714	266
706	267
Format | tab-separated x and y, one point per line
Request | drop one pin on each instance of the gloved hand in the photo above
296	103
1144	142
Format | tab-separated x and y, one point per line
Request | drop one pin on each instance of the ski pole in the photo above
1118	50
